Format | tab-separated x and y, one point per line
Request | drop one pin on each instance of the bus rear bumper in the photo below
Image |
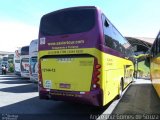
93	97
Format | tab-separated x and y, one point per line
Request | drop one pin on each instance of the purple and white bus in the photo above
82	57
24	62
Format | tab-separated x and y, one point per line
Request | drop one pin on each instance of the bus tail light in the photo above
95	84
39	73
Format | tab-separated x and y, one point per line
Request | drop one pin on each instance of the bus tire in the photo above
120	90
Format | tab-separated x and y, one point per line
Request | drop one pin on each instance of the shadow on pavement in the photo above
36	109
17	81
21	89
13	78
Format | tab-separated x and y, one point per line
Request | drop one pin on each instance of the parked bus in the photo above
33	52
155	64
4	62
82	57
24	61
17	62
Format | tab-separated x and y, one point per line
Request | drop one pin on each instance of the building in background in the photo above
141	47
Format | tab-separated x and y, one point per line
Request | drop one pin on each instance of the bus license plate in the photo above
63	85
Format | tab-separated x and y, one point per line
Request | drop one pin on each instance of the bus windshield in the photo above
68	22
25	50
25	65
33	63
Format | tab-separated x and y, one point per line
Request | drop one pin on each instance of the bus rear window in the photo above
69	21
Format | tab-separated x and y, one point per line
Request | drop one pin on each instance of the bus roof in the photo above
78	7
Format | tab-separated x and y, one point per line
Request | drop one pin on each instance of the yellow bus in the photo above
82	57
155	64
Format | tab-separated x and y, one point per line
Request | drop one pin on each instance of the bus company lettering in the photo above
66	94
49	70
66	47
109	61
65	52
66	43
86	63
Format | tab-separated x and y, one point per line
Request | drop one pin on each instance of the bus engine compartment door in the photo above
67	73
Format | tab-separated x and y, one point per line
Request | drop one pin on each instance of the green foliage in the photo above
11	69
143	69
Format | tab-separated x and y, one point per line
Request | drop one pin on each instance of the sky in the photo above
19	19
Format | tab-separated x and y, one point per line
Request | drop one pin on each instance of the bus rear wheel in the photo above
120	89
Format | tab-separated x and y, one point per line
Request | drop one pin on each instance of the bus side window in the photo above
113	38
108	34
122	49
109	40
116	45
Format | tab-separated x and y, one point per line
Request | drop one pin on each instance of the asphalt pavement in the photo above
19	101
140	101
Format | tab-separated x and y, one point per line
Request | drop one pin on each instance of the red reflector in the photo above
86	92
96	79
97	73
98	66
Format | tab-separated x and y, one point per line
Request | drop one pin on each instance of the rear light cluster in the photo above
39	73
96	73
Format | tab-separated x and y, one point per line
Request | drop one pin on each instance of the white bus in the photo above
17	62
24	61
33	52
